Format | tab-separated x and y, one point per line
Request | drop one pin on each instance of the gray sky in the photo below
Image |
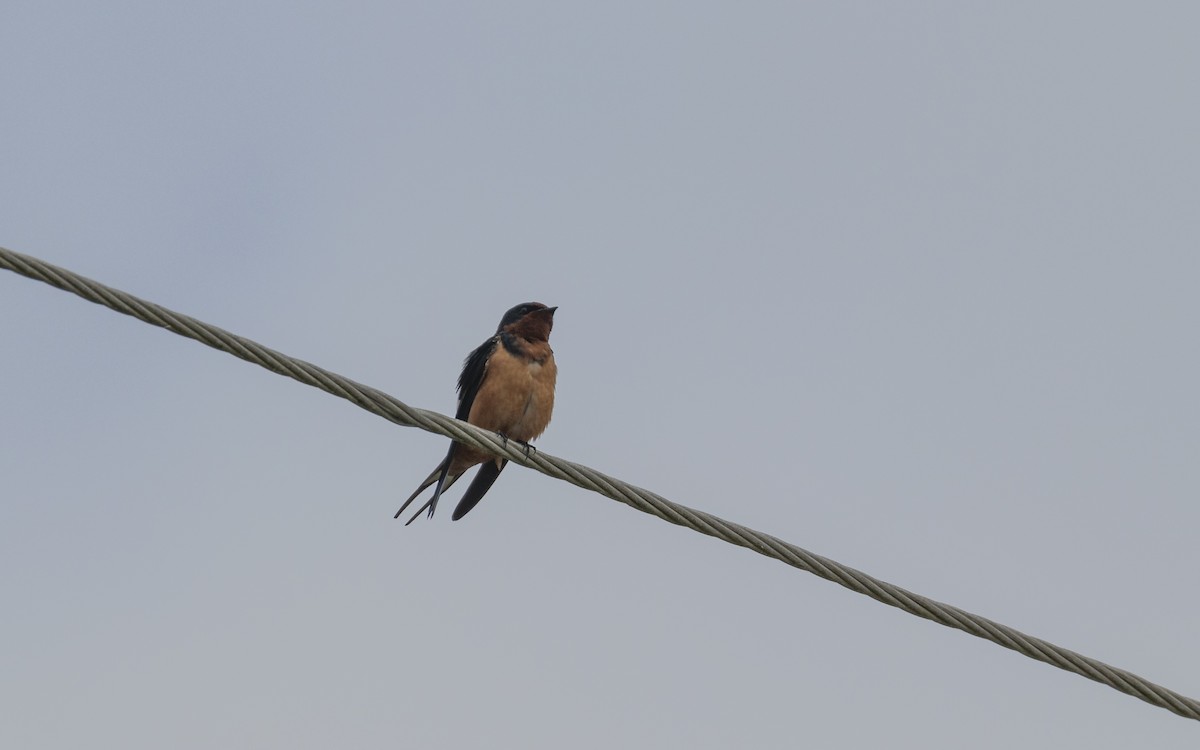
913	286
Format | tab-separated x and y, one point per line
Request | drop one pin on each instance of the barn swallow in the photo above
507	386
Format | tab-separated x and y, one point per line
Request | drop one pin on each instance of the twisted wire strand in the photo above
379	403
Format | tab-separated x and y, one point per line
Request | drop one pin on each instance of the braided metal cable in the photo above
380	403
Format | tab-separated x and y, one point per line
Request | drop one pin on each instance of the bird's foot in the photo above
525	446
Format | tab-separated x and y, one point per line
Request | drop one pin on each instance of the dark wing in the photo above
474	368
482	482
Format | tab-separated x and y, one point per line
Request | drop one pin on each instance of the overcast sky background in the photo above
913	286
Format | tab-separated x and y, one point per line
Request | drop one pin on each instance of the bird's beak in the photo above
551	309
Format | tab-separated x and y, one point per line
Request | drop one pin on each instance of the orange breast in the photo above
516	397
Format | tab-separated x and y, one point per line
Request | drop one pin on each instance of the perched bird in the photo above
507	386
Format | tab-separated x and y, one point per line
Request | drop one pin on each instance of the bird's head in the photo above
529	320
